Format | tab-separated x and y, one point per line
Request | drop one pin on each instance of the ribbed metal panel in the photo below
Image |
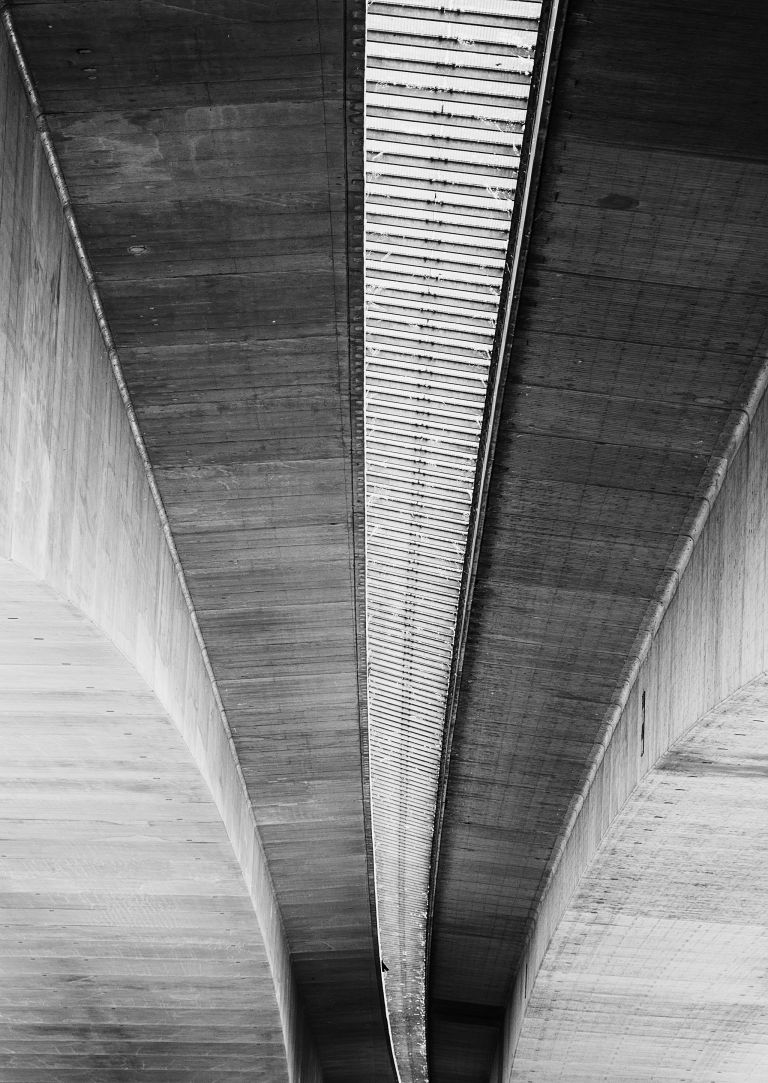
447	89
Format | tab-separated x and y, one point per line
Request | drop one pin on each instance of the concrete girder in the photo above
657	967
210	154
213	158
637	358
129	942
711	642
77	507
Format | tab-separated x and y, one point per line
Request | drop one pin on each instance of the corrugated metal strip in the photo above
446	98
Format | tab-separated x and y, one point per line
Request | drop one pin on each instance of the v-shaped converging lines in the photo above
447	95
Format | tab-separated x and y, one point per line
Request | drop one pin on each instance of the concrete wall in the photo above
76	505
711	638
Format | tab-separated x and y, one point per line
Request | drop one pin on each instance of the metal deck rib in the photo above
446	98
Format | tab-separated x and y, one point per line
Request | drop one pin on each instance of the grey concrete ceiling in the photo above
212	170
205	150
642	324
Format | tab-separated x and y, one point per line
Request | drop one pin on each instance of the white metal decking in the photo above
447	89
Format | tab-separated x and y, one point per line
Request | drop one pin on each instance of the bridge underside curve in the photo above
636	360
210	156
129	942
657	969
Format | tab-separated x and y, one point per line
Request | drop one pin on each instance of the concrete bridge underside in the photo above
129	944
657	968
212	154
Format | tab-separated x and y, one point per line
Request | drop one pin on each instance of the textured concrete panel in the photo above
640	335
210	155
713	640
76	507
657	968
129	945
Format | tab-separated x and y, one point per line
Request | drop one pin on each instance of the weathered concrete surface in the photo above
657	968
208	152
712	641
76	508
642	324
128	940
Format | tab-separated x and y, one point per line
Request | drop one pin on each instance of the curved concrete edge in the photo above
654	970
703	637
79	506
129	946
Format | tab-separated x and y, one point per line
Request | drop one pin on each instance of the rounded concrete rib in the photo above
129	943
635	363
657	968
76	506
210	156
711	642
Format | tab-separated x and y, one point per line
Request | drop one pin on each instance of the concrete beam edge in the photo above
731	441
302	1061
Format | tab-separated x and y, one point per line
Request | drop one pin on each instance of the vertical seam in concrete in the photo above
63	194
